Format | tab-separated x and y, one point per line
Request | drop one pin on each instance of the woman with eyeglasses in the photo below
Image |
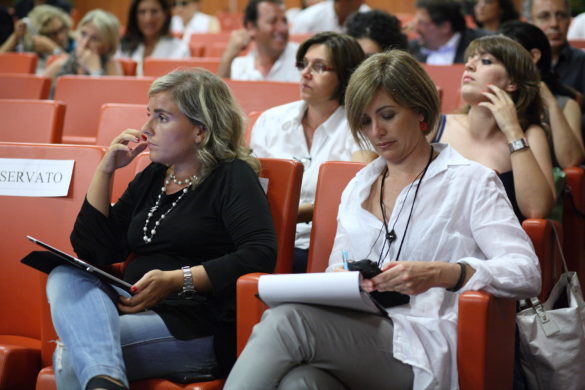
148	33
96	44
187	20
314	129
45	31
452	230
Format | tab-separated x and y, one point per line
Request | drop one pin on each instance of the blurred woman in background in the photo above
490	14
97	42
148	33
187	20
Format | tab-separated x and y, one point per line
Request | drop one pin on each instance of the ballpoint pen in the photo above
345	257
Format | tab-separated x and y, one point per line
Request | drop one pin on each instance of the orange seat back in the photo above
448	78
573	221
24	86
333	178
47	218
115	118
18	63
157	67
262	95
85	95
28	120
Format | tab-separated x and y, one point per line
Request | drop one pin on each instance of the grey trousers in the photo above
315	347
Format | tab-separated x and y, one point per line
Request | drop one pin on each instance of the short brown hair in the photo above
402	78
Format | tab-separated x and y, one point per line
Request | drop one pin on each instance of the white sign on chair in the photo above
38	178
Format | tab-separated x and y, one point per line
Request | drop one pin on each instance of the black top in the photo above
507	178
571	70
224	224
23	7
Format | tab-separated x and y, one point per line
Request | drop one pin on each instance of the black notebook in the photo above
45	261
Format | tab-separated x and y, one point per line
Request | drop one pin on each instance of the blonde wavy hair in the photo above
207	101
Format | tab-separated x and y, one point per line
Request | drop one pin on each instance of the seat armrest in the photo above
485	341
249	308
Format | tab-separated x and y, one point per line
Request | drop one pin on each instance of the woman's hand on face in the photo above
407	277
19	29
503	109
122	150
89	61
153	287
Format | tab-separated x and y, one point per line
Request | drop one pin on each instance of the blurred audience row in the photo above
530	96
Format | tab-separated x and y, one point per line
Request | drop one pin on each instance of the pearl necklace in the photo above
163	190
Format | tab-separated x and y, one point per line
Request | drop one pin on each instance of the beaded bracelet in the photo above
462	275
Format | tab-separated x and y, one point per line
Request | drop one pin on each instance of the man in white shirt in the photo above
577	27
273	57
329	15
442	33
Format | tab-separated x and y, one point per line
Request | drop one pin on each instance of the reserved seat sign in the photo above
37	178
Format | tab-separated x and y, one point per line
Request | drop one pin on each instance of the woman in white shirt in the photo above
147	33
188	20
436	224
314	129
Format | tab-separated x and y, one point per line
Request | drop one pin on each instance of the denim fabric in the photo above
96	340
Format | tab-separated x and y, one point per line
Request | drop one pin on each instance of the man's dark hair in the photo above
441	11
380	27
251	11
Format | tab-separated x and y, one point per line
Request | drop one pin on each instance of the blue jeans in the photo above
96	340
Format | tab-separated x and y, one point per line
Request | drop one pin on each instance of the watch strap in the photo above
518	144
188	287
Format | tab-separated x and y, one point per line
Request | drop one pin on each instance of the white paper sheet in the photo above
30	177
340	289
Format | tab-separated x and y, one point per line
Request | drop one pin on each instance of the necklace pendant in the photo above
391	236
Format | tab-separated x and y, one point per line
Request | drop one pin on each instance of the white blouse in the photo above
278	133
461	213
168	47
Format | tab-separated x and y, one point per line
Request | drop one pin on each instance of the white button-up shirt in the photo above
278	133
198	24
319	17
243	67
461	213
445	55
168	47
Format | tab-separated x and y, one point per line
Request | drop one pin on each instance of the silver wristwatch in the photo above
518	144
188	287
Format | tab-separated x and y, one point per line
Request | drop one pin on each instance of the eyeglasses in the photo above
314	68
180	3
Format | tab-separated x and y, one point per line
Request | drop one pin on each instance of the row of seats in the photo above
81	118
486	323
